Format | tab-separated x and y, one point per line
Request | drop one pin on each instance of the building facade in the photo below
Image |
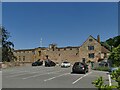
90	51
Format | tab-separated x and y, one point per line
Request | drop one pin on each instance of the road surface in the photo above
48	77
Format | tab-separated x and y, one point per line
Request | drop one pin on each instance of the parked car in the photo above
112	69
37	63
65	64
103	64
80	67
49	63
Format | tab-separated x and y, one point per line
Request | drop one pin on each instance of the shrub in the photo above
99	83
101	68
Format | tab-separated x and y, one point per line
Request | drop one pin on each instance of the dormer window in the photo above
90	40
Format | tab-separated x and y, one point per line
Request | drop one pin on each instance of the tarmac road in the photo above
48	77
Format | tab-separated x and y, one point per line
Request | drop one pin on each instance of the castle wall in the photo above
64	54
24	56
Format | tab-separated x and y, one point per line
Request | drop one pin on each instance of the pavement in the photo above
48	77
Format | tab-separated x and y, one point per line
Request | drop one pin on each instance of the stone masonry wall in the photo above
84	52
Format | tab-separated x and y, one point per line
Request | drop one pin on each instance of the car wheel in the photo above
72	72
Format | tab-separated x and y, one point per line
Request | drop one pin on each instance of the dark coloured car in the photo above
37	63
49	63
80	67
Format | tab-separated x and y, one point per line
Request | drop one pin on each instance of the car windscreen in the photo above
78	64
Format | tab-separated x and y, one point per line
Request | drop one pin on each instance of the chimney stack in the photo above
98	38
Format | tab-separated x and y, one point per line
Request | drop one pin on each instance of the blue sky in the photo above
67	24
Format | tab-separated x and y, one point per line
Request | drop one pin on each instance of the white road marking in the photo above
18	72
41	74
81	78
56	77
109	77
23	73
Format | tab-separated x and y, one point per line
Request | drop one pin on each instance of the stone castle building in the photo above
90	51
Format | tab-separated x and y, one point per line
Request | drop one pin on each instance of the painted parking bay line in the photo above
81	77
24	73
20	74
56	77
42	74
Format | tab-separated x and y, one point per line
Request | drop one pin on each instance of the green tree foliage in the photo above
115	56
115	41
116	77
99	83
111	42
7	46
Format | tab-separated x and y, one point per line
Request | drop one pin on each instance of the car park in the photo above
37	63
65	64
49	63
80	67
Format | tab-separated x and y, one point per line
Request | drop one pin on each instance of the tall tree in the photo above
7	46
115	41
115	56
111	42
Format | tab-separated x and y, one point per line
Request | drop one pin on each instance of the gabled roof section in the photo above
103	48
88	38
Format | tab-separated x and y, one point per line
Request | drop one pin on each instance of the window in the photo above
33	52
58	49
91	55
23	58
105	55
90	40
39	53
83	60
76	53
90	47
47	56
19	58
53	49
